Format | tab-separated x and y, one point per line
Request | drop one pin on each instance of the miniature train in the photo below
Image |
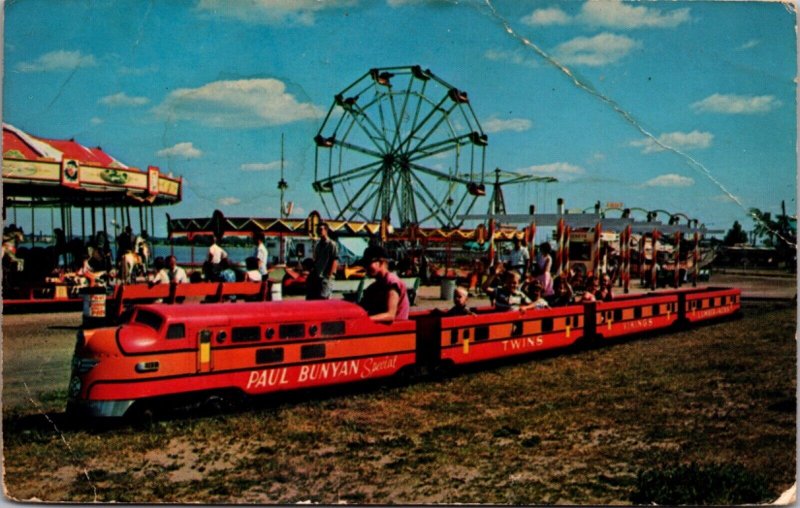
222	349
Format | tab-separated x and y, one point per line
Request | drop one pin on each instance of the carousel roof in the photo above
52	172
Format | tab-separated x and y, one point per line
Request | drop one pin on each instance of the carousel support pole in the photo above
128	217
625	248
83	225
152	229
696	259
33	225
598	233
654	266
567	233
15	215
642	261
105	221
142	225
94	223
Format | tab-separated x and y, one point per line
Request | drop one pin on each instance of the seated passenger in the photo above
253	273
562	293
590	290
605	293
460	296
172	274
535	292
509	297
386	299
494	278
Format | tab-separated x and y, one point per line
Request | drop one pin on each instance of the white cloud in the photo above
736	104
229	201
516	57
245	103
123	99
271	12
184	150
752	43
512	124
595	51
549	16
619	15
261	166
58	61
96	120
670	180
560	170
610	14
677	140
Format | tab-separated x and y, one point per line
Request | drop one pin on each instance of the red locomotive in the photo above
256	348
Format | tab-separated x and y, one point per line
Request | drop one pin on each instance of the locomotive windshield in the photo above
149	318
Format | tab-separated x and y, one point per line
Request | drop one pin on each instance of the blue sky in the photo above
682	106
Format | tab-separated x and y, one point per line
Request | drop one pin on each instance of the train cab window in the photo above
481	332
147	318
656	310
312	351
547	325
576	321
723	300
245	333
465	334
271	355
617	314
176	331
269	333
516	328
333	328
637	313
292	331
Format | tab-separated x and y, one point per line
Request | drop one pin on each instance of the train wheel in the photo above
141	415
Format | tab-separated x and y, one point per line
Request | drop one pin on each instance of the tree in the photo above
779	233
735	235
764	226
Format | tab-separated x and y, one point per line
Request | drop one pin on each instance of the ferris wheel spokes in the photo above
382	148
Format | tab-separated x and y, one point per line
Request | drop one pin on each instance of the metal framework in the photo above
400	144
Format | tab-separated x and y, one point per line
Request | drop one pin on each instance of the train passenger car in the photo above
711	303
635	314
490	335
255	348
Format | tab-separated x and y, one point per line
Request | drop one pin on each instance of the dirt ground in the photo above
567	428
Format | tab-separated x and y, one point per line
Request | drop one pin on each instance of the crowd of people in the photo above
517	283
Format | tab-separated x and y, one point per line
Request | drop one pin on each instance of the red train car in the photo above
254	348
711	303
638	314
257	348
489	335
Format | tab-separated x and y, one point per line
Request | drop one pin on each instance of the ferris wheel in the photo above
403	144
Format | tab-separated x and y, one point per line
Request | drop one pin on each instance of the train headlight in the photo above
74	387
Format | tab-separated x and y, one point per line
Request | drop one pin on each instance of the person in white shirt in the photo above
519	258
216	253
172	274
261	255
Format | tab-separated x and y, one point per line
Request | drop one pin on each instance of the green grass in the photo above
634	422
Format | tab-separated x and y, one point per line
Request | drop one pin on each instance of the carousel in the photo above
83	207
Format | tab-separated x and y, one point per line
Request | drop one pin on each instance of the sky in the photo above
683	106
